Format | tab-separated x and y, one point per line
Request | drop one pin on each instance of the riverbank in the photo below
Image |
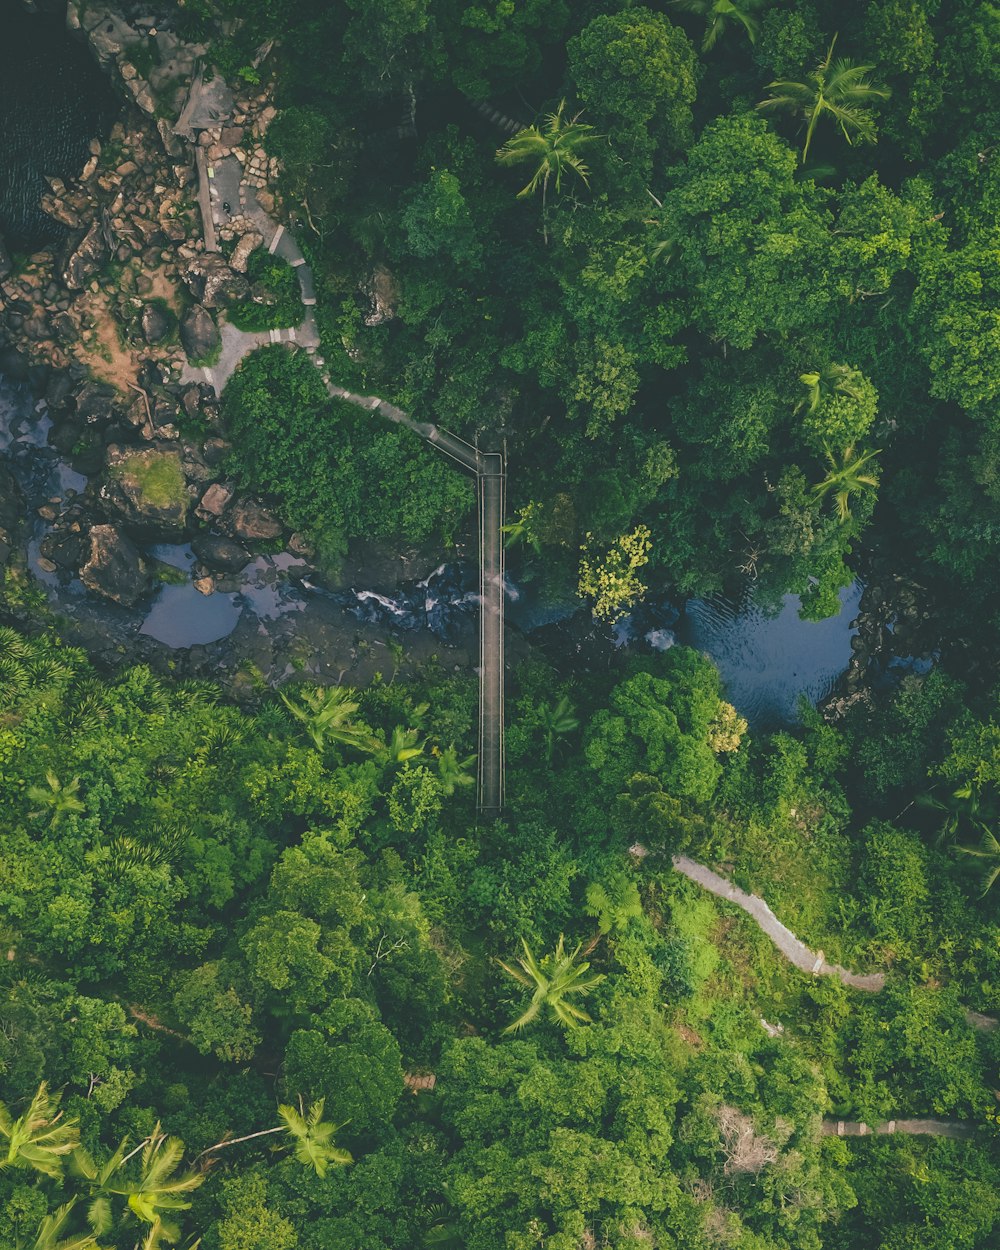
124	334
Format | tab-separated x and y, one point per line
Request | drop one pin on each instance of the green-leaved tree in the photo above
40	1139
839	90
550	152
552	979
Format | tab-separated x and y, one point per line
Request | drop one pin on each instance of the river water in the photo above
53	101
767	662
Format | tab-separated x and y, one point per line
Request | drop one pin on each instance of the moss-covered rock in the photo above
147	488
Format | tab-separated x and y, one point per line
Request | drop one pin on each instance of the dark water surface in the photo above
53	101
768	663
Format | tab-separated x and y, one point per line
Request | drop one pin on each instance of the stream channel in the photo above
273	610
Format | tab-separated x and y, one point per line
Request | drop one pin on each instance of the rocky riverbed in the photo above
117	515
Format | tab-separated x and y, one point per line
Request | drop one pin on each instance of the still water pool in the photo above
769	662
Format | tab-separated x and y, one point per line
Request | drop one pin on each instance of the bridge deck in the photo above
490	480
491	664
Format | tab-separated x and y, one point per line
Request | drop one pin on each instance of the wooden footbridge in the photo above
490	473
488	467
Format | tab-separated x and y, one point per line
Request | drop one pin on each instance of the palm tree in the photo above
552	152
552	979
969	804
39	1139
839	88
402	747
830	380
58	798
719	15
325	713
846	478
989	850
49	1235
314	1145
442	1233
453	772
156	1189
557	721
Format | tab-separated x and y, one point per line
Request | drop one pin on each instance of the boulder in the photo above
172	145
215	450
196	467
212	282
208	104
65	329
199	333
215	500
147	488
380	290
108	33
85	258
156	323
96	401
221	554
253	523
114	568
191	400
60	211
66	549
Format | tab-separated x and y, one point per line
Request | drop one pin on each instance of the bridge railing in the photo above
492	489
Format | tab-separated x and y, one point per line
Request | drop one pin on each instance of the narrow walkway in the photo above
794	950
784	939
491	594
914	1128
223	184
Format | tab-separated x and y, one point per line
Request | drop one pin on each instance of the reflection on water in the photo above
177	555
183	617
767	664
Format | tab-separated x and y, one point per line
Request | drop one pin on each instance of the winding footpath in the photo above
797	953
221	184
794	950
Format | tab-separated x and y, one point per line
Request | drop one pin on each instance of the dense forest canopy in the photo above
735	250
727	287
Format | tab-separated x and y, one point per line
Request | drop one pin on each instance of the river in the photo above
53	101
274	609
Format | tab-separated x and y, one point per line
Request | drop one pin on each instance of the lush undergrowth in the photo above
213	913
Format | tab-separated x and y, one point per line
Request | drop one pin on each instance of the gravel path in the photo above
221	183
